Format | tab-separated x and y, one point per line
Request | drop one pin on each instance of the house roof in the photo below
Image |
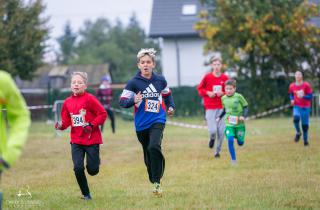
57	71
168	20
95	72
46	73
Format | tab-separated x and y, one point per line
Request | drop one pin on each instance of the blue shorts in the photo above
303	113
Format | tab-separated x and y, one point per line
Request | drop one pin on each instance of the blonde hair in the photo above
216	57
82	74
147	51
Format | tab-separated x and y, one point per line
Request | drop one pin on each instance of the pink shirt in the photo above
303	89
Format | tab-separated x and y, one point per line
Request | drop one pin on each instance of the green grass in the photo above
273	172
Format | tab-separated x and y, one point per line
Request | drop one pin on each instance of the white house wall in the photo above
191	60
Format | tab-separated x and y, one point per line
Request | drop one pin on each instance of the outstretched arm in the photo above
18	118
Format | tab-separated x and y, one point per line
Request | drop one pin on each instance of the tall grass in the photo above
273	172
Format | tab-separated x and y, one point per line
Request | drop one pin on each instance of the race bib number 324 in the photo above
152	106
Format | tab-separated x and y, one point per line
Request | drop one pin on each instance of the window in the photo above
189	9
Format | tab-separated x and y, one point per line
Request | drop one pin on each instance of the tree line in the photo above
260	39
99	42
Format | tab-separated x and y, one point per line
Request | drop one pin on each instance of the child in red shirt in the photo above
83	112
211	89
301	97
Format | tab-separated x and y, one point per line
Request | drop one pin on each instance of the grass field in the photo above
273	172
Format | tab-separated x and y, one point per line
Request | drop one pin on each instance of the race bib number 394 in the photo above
77	120
152	106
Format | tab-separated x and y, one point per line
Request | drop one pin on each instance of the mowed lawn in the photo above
273	172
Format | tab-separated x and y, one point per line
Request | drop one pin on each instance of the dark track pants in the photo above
150	140
112	119
93	161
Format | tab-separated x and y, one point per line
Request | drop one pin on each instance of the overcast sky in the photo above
77	11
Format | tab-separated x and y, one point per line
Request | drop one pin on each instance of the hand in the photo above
219	93
211	94
138	98
58	126
87	128
241	118
218	119
292	102
170	111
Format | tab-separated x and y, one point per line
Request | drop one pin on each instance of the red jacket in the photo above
79	110
208	83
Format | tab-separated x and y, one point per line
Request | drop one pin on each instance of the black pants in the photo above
112	119
150	140
93	161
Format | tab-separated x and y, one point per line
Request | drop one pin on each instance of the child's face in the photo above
229	90
216	66
78	85
298	76
146	65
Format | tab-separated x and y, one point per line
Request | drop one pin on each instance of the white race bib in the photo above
217	88
152	106
77	120
233	120
300	93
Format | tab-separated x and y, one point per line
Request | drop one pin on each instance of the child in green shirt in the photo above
14	122
235	111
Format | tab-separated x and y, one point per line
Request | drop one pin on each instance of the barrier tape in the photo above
187	125
40	107
179	124
269	112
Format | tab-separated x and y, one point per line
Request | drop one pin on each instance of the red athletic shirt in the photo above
303	89
78	110
209	83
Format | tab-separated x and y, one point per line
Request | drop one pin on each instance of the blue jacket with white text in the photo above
156	96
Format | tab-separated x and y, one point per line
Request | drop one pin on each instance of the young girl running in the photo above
150	96
301	97
83	112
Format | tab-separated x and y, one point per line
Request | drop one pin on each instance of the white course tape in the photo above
40	107
186	125
179	124
269	112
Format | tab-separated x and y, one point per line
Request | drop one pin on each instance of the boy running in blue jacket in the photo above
149	94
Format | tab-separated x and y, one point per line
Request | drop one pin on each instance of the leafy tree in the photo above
263	39
22	36
100	42
66	42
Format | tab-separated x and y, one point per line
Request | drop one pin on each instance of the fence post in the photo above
56	109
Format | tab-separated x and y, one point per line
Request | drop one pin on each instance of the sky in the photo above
77	11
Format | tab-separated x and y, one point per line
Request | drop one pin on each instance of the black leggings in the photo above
150	140
112	119
93	161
